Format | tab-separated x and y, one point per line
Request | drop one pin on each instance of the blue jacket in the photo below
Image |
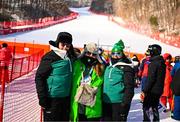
175	68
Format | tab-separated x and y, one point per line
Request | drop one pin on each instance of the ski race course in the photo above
88	27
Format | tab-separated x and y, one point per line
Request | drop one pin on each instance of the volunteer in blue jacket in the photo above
119	83
53	79
175	86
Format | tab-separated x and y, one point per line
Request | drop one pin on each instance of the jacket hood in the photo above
61	53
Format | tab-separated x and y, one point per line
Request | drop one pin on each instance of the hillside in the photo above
31	10
159	15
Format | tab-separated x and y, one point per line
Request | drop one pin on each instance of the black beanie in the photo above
155	49
4	45
64	37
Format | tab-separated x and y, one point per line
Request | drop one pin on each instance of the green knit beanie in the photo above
118	47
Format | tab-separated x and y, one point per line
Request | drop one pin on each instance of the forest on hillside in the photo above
14	10
161	15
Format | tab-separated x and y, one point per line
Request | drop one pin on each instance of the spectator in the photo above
167	92
176	65
54	77
154	87
175	86
136	63
86	101
143	70
5	58
118	88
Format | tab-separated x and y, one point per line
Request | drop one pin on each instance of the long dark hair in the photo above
99	68
71	53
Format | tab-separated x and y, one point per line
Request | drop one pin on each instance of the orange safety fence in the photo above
18	97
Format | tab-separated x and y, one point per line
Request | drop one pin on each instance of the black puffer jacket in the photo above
156	76
42	74
129	79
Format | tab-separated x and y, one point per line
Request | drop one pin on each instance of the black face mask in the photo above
89	61
114	61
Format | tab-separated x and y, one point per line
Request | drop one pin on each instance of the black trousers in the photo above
115	111
59	110
151	101
83	118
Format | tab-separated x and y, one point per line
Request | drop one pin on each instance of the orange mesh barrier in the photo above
18	100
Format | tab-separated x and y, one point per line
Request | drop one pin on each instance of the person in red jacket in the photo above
5	58
167	95
143	70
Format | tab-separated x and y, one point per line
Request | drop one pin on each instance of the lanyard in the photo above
86	78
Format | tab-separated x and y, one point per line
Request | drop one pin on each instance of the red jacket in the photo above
168	79
5	56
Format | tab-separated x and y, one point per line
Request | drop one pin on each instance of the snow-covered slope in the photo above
89	27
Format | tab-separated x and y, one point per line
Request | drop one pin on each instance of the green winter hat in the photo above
118	47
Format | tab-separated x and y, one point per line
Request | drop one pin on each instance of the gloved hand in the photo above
137	83
44	102
142	95
125	109
139	78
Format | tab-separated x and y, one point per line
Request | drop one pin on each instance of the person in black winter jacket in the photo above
53	79
118	87
154	87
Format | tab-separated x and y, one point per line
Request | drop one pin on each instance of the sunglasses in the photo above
90	54
65	44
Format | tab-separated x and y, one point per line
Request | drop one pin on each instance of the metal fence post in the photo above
2	92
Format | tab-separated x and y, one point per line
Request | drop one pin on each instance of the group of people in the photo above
89	85
159	83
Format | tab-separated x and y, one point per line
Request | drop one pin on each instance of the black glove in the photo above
125	107
139	78
124	111
44	102
123	104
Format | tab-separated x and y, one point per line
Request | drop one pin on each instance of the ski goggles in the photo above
116	54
